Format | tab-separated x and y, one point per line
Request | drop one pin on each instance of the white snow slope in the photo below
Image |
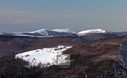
45	57
54	32
63	30
85	32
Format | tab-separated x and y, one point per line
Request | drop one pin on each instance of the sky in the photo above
29	15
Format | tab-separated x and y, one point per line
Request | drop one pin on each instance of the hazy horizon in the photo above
30	15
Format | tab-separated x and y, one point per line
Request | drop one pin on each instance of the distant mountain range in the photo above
62	32
44	33
81	36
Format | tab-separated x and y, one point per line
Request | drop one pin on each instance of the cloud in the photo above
10	18
19	17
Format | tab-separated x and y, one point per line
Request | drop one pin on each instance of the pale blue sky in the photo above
28	15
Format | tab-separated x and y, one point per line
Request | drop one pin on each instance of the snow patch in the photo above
91	31
45	56
38	31
63	30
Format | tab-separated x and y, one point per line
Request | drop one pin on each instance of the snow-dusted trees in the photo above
123	54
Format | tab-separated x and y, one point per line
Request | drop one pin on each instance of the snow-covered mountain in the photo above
43	33
94	34
45	56
91	31
50	33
